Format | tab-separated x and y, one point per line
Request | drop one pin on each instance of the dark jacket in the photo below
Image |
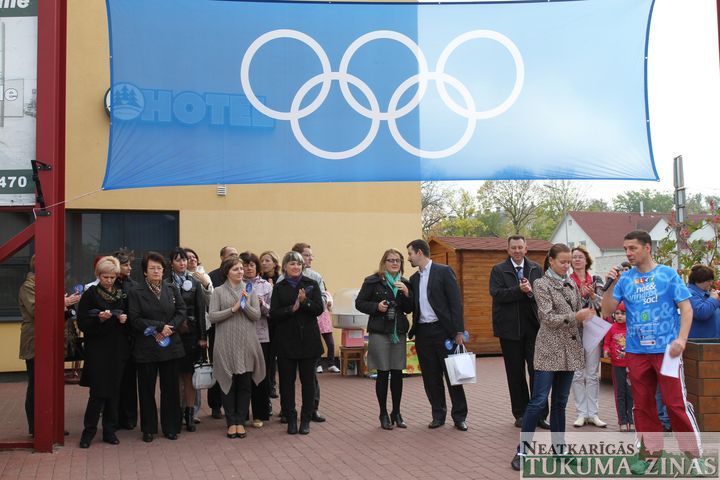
514	313
373	291
444	297
296	334
147	311
194	328
217	278
106	343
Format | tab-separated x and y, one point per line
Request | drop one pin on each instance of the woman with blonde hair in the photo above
386	297
102	316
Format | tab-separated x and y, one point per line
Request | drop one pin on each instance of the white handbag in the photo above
461	367
203	378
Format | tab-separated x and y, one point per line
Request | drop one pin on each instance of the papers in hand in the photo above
594	331
670	365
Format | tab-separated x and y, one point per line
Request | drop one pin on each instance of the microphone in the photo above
609	281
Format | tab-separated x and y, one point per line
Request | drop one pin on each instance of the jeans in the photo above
559	383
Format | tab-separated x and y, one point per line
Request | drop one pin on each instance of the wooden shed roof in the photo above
487	243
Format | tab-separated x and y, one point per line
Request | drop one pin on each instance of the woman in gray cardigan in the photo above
237	356
558	347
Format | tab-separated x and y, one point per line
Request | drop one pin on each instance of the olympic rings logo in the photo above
394	111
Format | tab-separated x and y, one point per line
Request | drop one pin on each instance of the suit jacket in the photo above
444	297
514	314
145	310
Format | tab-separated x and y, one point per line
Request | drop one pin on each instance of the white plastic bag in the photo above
461	367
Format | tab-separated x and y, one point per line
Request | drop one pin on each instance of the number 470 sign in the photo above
16	181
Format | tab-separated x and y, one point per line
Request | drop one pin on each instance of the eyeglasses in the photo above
393	260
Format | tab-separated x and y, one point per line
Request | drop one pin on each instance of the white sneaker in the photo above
579	422
333	369
319	369
595	420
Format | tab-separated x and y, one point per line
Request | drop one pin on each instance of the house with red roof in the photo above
602	233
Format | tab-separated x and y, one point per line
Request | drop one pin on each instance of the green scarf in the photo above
391	283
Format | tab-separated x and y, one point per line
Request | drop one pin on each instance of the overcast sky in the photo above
684	95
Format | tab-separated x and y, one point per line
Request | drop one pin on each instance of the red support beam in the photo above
16	243
50	229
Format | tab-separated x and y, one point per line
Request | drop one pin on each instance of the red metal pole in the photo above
50	229
17	242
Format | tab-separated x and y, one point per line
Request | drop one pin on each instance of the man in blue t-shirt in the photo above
653	294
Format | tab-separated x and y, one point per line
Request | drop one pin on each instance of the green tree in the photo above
652	201
598	205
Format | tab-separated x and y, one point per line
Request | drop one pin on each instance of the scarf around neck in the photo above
294	282
391	281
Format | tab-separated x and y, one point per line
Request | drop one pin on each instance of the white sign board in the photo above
18	100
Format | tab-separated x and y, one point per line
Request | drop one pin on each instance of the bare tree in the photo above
562	196
434	201
518	199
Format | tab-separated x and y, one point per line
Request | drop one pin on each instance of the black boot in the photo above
190	419
291	418
397	419
86	438
304	424
385	422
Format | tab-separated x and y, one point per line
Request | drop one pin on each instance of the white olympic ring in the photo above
374	113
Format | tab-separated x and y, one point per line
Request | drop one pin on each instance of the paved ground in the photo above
350	445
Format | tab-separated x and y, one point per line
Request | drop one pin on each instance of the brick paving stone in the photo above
350	445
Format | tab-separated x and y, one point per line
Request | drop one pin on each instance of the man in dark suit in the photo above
214	394
437	316
515	321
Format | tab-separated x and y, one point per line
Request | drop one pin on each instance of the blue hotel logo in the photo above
130	103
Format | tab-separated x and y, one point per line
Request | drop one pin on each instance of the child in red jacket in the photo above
614	348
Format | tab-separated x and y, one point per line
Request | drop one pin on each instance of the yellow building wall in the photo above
349	225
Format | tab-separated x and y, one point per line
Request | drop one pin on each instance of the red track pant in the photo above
644	379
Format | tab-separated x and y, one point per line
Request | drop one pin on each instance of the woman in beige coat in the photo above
237	356
558	347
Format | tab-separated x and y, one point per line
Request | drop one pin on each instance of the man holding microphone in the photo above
653	295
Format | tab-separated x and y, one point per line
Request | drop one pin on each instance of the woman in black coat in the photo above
386	297
156	312
102	316
294	308
192	331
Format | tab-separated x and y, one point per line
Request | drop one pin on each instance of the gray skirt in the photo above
384	355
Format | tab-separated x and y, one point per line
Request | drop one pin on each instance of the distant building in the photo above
602	233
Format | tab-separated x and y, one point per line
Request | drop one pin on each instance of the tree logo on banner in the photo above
374	113
127	101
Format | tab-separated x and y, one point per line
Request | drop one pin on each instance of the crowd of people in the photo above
258	314
253	317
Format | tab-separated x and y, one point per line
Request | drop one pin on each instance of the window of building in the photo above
14	269
89	234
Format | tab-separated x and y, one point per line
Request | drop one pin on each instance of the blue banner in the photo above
208	91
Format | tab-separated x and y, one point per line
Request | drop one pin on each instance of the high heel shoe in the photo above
241	433
385	422
397	420
232	431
